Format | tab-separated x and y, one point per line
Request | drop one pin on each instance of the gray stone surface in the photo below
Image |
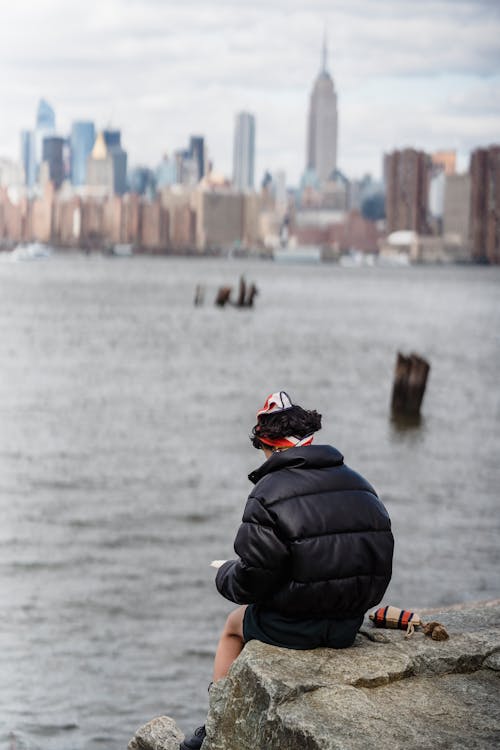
161	733
408	693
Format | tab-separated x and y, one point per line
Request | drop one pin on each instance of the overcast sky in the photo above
423	73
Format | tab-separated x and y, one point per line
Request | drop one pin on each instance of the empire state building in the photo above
322	126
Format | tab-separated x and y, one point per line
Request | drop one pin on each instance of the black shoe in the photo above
195	741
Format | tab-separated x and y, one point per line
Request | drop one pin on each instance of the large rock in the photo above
161	733
406	693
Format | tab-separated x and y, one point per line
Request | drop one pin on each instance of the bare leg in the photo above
230	644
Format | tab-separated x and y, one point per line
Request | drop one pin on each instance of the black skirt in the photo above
270	627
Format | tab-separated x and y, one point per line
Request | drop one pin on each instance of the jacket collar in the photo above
305	457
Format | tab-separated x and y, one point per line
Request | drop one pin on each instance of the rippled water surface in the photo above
124	420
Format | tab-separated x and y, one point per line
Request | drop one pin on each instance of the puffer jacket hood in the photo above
315	540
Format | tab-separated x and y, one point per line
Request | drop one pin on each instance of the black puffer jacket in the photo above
315	540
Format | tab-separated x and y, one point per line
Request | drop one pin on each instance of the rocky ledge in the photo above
384	691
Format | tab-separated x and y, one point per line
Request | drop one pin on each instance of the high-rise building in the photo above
322	132
100	169
28	159
82	142
32	141
456	213
52	154
244	151
407	175
485	204
112	139
197	153
45	116
166	172
142	181
45	126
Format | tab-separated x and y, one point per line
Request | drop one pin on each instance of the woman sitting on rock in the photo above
314	547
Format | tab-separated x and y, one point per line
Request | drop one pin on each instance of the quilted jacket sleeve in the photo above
263	558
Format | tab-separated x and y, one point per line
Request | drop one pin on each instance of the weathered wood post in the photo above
252	293
223	295
241	292
410	379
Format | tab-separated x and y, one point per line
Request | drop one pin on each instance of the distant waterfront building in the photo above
11	173
446	160
32	141
197	153
456	214
100	167
219	219
45	116
53	156
485	204
244	151
166	172
142	181
186	168
28	158
119	170
280	193
112	139
81	142
322	131
407	176
443	165
45	126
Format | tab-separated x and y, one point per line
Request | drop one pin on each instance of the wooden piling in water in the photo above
251	294
223	296
246	295
410	379
241	293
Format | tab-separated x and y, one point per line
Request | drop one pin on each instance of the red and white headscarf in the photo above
278	402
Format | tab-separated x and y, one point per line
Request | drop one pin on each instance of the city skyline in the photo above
423	75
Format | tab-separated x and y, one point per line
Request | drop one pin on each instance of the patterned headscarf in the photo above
275	403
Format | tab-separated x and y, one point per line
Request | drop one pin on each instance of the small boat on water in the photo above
30	251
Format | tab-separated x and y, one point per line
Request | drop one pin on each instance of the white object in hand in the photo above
217	563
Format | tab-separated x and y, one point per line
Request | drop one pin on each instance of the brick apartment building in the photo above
407	175
485	204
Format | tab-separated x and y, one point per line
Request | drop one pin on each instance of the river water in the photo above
125	414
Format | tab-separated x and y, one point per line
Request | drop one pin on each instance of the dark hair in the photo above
295	421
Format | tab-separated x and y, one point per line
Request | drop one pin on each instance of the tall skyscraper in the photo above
32	141
244	151
322	133
166	172
52	153
45	116
112	139
82	142
28	157
45	126
197	152
100	167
